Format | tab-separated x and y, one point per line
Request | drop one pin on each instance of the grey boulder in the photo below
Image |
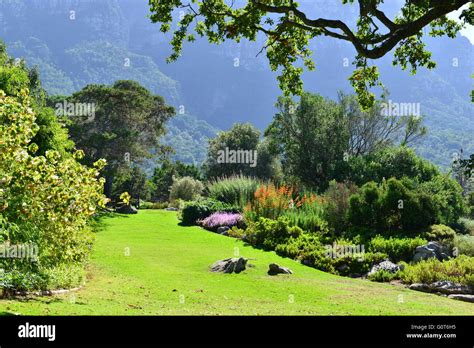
466	298
444	287
431	250
223	230
274	269
384	266
233	265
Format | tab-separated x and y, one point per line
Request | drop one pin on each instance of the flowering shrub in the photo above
219	219
46	200
304	211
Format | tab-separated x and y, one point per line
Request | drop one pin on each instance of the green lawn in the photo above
166	272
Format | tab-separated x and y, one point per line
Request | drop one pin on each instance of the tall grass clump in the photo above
237	190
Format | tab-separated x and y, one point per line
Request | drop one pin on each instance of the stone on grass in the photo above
466	298
233	265
386	265
445	287
274	269
420	287
450	288
126	209
171	209
223	230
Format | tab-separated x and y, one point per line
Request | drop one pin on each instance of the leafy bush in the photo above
46	200
446	195
467	226
383	276
153	205
219	219
398	249
309	250
441	233
391	206
470	205
236	190
236	232
459	270
268	233
201	209
185	188
392	162
464	245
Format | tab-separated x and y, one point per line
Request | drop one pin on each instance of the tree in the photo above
289	31
125	124
134	181
390	162
163	177
312	137
240	151
16	76
376	128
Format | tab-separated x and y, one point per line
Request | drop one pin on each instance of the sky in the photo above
469	30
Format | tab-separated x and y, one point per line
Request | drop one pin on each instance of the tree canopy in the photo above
125	126
289	31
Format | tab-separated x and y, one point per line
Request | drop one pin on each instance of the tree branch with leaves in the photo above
289	31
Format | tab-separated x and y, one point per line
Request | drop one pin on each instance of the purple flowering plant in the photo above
219	219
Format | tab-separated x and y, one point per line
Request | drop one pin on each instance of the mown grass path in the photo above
166	272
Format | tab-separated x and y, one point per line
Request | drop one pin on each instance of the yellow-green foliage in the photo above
44	200
459	270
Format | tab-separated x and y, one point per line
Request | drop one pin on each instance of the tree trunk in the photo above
109	179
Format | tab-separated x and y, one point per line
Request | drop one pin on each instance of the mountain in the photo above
77	42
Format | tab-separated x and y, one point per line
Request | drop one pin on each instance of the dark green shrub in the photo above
470	205
391	206
392	162
267	233
446	195
397	249
201	209
357	264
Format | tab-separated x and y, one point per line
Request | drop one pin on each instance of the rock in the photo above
234	265
384	266
420	287
444	287
223	230
431	250
466	298
126	209
450	288
274	269
171	209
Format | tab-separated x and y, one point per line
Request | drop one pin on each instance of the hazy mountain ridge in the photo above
227	83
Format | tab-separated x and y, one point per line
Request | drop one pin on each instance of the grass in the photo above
167	273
